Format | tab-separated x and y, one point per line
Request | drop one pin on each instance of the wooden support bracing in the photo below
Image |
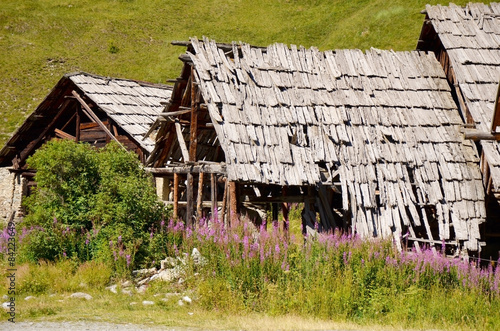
233	200
176	196
213	194
78	122
31	146
189	199
86	109
182	142
224	201
199	198
495	122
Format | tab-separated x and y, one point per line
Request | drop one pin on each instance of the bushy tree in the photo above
89	204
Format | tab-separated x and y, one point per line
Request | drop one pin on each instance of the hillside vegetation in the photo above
40	40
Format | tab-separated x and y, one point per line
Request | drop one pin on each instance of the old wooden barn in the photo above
366	141
87	108
466	41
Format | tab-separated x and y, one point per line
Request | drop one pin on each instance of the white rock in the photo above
6	305
81	295
133	303
143	272
168	263
186	299
148	303
142	289
127	291
29	297
180	303
145	280
5	297
127	283
169	275
190	314
112	288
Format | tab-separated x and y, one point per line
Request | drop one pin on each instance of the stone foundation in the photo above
11	188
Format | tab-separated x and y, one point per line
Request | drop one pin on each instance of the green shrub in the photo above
89	204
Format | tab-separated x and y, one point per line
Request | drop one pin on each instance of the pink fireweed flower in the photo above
128	259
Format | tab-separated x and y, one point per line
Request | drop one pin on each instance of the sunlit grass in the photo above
42	40
251	273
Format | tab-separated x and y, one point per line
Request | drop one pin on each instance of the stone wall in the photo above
10	194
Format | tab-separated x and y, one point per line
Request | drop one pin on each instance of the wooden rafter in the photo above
495	122
86	109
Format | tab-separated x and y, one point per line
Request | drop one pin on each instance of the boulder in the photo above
81	295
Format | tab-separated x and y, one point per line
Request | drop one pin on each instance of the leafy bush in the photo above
89	204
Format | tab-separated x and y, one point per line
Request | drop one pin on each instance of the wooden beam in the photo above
176	196
78	122
199	197
27	151
213	194
193	130
495	122
215	168
224	201
86	109
477	135
183	111
64	135
189	199
233	200
182	142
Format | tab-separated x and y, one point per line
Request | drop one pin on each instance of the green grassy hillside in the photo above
40	40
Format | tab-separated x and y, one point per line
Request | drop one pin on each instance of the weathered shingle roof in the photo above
384	121
133	105
471	37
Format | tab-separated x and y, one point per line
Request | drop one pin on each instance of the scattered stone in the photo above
165	299
127	291
190	313
6	305
197	258
186	299
146	280
52	295
144	272
81	295
168	262
169	275
148	303
142	289
29	297
180	281
112	288
133	303
171	294
127	283
5	297
180	303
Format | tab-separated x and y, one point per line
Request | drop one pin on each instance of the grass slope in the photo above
40	40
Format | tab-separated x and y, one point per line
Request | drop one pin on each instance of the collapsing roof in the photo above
380	126
131	106
466	41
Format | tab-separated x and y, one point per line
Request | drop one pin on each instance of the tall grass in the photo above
337	276
331	276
